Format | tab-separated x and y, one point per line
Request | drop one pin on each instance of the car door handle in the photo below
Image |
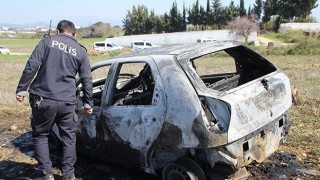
150	118
265	84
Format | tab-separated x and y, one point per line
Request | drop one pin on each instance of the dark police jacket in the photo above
52	69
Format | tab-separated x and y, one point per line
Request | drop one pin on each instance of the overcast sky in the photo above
85	12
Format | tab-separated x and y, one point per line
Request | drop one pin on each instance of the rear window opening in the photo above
230	68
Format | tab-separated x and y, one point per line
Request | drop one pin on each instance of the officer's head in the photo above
67	27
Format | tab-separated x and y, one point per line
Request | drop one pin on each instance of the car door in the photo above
109	47
133	110
89	133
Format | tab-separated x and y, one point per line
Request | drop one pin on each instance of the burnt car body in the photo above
167	116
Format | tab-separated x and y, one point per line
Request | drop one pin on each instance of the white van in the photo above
141	44
206	40
105	46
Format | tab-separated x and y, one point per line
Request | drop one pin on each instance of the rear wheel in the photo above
183	169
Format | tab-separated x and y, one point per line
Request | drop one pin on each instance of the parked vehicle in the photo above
205	40
141	44
181	110
4	50
105	46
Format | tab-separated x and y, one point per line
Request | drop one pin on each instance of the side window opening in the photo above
225	70
134	85
100	44
99	77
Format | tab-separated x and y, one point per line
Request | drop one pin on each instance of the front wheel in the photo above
183	169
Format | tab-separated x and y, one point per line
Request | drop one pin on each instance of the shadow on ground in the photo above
17	162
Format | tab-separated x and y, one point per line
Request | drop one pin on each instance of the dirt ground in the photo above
17	160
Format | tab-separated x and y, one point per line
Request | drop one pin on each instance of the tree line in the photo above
268	13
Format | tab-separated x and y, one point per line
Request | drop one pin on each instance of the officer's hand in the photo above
20	98
88	111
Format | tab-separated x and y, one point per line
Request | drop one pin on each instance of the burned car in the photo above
181	110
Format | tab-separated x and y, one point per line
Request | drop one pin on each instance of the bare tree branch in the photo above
242	27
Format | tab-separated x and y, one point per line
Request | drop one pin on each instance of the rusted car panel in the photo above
155	109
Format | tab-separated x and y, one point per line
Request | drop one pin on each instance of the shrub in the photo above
308	47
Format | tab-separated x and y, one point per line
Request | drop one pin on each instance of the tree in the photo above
299	9
135	20
184	17
208	14
242	27
232	11
288	10
304	8
217	15
194	14
202	18
127	23
151	22
242	9
270	8
166	21
175	19
100	29
257	8
160	24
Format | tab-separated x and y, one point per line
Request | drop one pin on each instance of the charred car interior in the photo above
240	68
181	110
134	89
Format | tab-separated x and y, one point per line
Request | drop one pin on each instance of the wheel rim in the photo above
183	169
177	172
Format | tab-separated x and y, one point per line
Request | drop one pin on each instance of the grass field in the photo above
34	42
303	71
27	45
19	42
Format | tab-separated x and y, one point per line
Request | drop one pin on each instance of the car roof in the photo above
182	50
190	51
139	41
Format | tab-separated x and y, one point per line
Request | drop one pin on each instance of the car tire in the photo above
184	169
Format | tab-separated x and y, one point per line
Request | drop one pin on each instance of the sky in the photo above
85	12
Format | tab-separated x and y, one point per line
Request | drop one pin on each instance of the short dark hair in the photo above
66	26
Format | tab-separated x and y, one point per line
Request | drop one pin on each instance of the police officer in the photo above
50	75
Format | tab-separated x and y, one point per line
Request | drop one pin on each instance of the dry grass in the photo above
304	73
21	49
10	72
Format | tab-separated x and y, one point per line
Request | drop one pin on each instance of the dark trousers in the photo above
43	117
